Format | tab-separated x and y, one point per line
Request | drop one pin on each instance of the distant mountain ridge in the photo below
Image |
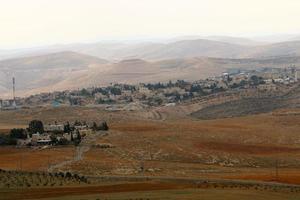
182	47
44	70
66	59
60	67
69	70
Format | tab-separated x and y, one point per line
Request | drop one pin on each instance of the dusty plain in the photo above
160	144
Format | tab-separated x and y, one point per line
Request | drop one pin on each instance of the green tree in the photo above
67	128
115	91
36	126
85	92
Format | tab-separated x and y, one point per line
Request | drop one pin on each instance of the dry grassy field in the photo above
149	190
263	147
28	159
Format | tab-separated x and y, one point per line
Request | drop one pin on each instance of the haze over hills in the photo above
278	38
290	48
227	39
40	71
180	47
60	67
69	70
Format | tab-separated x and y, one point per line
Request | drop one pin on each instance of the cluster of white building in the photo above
8	104
54	129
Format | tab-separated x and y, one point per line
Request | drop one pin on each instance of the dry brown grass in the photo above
27	159
242	148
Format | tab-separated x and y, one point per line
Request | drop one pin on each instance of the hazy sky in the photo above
38	22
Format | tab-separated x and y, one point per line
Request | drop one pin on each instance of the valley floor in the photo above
263	147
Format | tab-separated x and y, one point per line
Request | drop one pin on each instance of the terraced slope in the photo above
251	105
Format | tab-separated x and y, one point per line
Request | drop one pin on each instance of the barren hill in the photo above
211	48
290	48
69	70
222	47
178	48
45	70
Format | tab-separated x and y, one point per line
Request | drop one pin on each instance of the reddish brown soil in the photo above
290	176
39	193
174	148
27	159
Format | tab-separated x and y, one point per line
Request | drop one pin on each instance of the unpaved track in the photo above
80	150
156	114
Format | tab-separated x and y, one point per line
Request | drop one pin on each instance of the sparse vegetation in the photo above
101	127
21	179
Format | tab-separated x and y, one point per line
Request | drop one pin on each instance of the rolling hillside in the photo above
182	47
69	70
46	70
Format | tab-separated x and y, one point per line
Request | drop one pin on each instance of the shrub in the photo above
7	140
68	175
76	176
18	133
63	141
103	126
61	174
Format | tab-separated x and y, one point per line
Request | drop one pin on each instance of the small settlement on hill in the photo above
137	97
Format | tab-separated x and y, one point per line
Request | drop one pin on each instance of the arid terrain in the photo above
166	150
89	65
150	100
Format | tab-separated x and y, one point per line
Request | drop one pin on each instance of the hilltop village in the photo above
133	97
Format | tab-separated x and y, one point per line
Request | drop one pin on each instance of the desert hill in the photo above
66	59
70	70
45	70
182	47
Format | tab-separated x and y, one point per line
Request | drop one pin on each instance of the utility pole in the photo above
14	92
14	89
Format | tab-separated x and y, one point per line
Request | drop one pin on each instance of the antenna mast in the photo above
14	89
14	93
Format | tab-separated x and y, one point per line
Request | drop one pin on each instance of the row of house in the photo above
9	104
117	96
62	133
